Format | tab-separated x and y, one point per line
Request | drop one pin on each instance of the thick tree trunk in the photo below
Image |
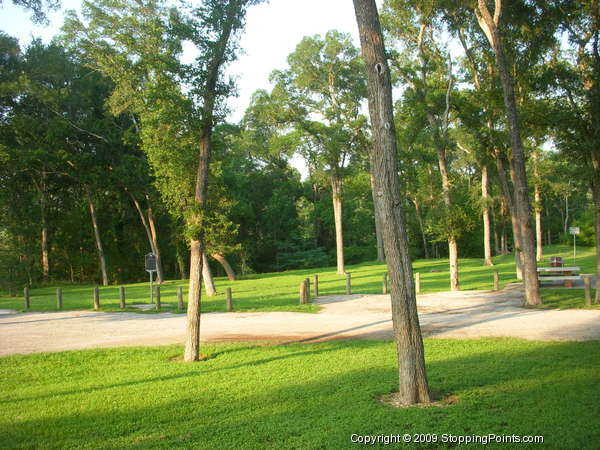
508	198
226	266
378	236
209	283
97	236
151	241
192	343
336	189
490	27
154	237
485	199
384	161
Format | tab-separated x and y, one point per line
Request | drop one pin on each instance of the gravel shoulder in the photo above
465	314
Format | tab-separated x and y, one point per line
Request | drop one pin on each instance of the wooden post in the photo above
157	297
302	293
316	285
385	283
587	284
179	299
229	300
96	298
58	298
307	290
122	297
417	282
348	283
26	298
496	280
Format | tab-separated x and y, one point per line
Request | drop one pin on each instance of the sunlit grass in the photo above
279	291
297	396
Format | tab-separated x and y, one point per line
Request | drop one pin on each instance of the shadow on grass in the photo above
318	398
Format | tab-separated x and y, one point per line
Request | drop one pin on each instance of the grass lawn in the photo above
297	396
279	291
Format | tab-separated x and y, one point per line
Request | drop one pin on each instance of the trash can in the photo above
556	261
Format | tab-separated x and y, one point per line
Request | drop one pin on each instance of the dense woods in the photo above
99	143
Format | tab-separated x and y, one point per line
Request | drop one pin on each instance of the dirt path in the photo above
467	314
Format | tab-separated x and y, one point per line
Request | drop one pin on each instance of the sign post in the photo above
150	263
574	231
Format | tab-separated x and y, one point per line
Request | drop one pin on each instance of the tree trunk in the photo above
378	236
151	242
421	227
413	385
209	283
487	244
538	223
490	27
336	189
595	184
452	245
154	237
508	198
44	243
97	236
214	64
226	266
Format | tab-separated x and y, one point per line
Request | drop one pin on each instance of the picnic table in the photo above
565	274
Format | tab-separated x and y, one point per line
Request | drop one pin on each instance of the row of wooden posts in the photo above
305	286
122	302
304	292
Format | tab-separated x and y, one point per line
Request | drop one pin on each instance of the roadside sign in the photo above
150	262
574	230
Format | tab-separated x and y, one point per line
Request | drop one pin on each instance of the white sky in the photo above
272	32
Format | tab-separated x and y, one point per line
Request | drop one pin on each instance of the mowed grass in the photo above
279	291
297	396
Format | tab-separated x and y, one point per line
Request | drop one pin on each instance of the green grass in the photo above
296	396
279	291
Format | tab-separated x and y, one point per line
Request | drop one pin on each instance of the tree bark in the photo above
485	199
209	283
378	236
489	25
336	190
413	385
97	236
226	266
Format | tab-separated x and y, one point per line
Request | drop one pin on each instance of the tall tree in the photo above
490	25
414	387
320	96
